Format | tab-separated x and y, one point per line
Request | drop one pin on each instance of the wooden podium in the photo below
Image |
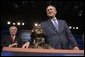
40	52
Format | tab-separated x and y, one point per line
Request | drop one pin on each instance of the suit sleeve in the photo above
69	35
5	41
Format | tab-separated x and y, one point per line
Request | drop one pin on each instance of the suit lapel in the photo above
60	26
52	26
12	41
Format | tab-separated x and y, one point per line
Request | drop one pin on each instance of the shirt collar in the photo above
54	18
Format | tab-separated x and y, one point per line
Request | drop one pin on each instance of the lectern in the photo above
40	52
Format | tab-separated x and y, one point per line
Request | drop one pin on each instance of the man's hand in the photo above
26	45
76	48
14	44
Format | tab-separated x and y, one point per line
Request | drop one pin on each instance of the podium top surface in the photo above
42	50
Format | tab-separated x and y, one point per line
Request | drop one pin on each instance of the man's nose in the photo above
49	11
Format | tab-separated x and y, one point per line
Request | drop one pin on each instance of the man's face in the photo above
13	30
51	11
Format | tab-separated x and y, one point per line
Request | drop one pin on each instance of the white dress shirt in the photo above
55	20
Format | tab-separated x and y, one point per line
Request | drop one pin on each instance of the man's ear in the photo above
55	11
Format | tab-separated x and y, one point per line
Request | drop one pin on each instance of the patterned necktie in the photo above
55	24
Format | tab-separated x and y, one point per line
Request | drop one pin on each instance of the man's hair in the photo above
51	5
12	27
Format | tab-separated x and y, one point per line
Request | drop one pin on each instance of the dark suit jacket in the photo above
6	41
58	39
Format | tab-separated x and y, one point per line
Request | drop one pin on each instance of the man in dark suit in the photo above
11	40
58	35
